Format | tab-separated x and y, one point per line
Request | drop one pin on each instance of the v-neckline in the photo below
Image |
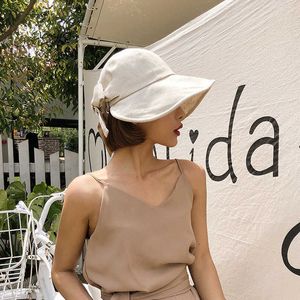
143	202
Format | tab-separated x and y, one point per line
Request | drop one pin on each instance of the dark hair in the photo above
121	133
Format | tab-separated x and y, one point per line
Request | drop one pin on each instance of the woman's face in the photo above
162	131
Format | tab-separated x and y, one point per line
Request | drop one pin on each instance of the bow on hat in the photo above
98	98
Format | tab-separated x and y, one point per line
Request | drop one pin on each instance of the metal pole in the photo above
87	41
99	64
80	105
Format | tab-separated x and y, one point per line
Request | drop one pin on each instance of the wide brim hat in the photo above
163	97
139	87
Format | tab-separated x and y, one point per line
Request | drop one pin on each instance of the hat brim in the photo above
162	97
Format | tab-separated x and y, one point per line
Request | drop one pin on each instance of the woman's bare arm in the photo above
72	232
203	270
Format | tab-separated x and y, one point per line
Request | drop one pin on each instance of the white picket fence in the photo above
55	166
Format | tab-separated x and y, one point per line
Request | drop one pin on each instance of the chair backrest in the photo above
15	247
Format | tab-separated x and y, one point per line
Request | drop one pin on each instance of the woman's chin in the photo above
169	144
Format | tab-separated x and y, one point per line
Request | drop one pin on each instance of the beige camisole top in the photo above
141	247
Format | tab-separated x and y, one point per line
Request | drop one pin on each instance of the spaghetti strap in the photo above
178	165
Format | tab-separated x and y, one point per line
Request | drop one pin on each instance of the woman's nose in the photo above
180	112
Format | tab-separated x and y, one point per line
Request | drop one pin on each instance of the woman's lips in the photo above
177	130
179	127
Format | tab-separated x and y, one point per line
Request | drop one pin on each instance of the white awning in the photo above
139	22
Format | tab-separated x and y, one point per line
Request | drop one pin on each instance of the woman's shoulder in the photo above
194	172
82	185
190	166
83	191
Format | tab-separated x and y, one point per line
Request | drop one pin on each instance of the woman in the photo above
145	217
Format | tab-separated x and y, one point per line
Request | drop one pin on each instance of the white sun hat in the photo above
139	86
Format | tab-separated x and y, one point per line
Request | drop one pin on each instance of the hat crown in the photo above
131	70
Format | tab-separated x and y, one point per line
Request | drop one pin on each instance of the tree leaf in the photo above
3	200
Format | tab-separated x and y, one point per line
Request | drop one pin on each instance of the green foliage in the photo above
38	204
10	11
68	138
16	192
38	62
12	245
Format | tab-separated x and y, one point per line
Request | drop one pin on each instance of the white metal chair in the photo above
17	226
22	233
